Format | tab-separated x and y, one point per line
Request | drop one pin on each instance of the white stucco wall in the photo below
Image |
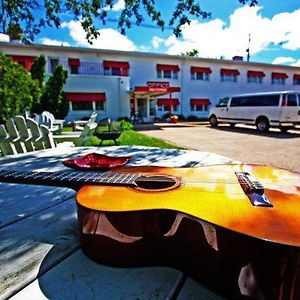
143	69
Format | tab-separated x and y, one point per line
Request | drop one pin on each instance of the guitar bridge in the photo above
253	189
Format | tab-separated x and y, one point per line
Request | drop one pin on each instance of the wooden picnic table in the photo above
40	255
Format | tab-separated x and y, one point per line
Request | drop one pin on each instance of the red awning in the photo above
116	64
256	74
200	70
279	75
86	97
200	101
74	62
296	76
168	101
26	60
173	68
229	72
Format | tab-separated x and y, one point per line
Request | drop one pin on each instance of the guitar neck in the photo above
71	179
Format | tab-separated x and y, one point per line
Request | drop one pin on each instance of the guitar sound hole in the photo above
157	183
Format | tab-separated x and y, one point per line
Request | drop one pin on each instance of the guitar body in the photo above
203	223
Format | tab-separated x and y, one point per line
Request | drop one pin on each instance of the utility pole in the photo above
248	50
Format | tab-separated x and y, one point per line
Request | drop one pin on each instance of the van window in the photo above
292	100
223	102
259	100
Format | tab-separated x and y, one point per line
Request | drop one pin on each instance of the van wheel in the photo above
232	125
213	121
262	124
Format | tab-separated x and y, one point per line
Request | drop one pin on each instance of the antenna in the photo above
248	50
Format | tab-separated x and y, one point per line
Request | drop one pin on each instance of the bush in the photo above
18	91
125	125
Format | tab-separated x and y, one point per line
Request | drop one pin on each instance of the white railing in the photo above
85	68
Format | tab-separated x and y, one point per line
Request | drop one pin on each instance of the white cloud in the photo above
214	38
120	5
297	63
156	42
283	60
47	41
108	39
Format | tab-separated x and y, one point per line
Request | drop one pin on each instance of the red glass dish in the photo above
95	161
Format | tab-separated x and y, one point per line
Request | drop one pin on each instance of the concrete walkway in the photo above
241	143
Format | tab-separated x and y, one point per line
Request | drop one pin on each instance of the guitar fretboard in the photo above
70	179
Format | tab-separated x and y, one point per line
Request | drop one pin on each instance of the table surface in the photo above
40	255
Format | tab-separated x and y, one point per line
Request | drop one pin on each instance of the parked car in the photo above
265	110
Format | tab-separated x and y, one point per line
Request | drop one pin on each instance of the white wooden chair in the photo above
79	125
14	135
78	138
24	133
6	142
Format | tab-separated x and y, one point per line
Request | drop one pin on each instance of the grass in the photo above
131	137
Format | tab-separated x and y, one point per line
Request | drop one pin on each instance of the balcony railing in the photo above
86	68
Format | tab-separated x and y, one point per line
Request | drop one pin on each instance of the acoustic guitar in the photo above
236	227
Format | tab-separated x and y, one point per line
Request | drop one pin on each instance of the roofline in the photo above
141	54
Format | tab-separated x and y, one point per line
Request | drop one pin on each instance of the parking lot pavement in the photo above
241	143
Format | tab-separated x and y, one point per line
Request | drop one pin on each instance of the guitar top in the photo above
258	201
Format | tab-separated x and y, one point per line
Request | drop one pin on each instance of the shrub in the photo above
18	91
125	125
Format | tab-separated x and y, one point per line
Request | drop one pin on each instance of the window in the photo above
259	100
229	78
199	107
200	73
255	76
278	81
279	78
100	106
199	104
82	105
166	108
223	102
200	76
297	79
292	100
53	64
167	71
74	69
167	74
229	75
115	68
254	79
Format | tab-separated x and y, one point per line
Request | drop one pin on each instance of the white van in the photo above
265	110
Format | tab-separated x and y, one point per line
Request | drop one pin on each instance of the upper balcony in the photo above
76	67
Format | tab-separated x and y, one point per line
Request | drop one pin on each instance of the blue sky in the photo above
273	27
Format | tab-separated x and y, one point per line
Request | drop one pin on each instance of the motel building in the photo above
120	83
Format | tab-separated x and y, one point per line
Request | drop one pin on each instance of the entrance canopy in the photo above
154	89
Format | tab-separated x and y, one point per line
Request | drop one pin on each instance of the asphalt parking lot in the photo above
241	143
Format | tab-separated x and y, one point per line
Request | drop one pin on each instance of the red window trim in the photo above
296	76
259	74
200	101
279	75
74	62
168	101
86	97
27	60
229	72
201	70
124	65
174	68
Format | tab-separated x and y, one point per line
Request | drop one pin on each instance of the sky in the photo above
273	27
